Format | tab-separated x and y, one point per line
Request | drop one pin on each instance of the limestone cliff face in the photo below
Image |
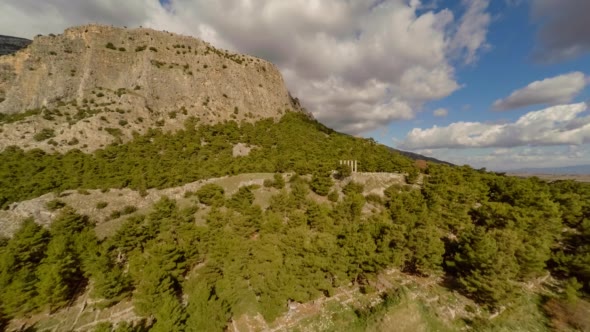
93	85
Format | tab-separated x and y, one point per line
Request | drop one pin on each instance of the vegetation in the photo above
44	134
9	118
159	160
487	232
55	204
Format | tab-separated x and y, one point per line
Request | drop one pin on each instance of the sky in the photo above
500	84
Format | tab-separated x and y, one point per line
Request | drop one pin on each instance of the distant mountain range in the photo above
579	169
9	45
416	156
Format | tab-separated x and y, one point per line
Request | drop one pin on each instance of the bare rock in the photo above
94	85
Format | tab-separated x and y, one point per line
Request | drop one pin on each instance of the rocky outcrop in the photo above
9	45
93	85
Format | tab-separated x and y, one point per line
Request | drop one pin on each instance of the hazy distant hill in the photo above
579	169
9	45
416	156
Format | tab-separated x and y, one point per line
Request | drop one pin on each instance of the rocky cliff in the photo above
93	85
9	45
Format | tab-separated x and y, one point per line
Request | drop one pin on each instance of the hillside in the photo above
94	85
10	45
210	201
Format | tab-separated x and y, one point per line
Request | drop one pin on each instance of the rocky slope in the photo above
94	85
9	45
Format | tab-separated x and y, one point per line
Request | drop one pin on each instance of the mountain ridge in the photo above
63	92
564	170
10	45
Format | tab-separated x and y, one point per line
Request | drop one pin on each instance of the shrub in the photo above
101	205
115	215
321	183
353	187
110	46
55	204
153	49
115	132
333	196
412	176
211	194
374	198
44	134
122	49
342	172
128	209
122	123
278	181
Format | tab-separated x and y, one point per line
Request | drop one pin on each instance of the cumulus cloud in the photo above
440	112
27	18
556	125
554	90
356	65
564	27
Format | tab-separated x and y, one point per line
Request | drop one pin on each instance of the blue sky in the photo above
506	66
508	79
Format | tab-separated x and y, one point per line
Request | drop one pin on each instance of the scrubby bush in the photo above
353	187
101	205
128	209
342	171
211	194
333	196
55	204
44	134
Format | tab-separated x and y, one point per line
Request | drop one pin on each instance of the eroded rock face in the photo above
93	78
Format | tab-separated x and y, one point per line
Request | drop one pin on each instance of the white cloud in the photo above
357	65
440	112
472	30
554	90
501	159
557	125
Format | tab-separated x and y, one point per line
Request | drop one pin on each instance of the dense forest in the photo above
487	233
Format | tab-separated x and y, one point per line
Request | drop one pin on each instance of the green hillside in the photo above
486	236
158	160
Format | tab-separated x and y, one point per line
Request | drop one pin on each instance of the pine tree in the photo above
206	311
58	274
170	315
18	261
